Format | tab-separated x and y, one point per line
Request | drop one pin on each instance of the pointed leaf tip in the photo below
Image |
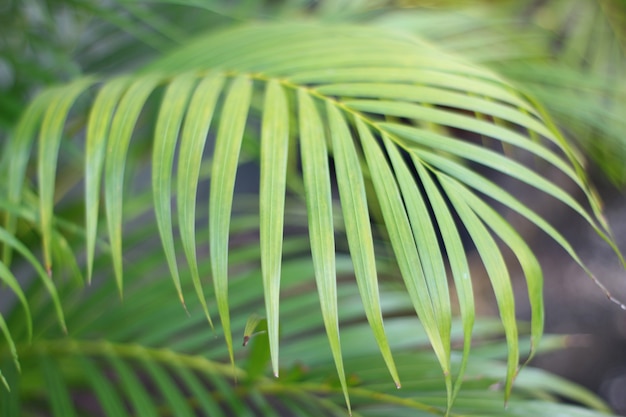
227	149
182	301
5	383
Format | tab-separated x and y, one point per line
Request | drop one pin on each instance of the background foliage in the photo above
414	135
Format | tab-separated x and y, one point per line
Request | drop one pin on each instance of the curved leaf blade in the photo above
225	157
493	160
402	92
98	126
315	170
195	130
173	108
12	349
358	228
411	76
496	270
274	151
426	241
19	147
9	280
120	134
457	260
404	245
447	118
50	135
10	241
528	261
497	193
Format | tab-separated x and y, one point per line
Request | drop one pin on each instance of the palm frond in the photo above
587	45
570	55
275	148
161	360
353	89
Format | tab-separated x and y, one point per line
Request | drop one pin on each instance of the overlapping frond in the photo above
160	360
570	55
396	117
587	41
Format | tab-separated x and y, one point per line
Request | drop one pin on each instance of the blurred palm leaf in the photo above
392	112
158	360
571	55
587	43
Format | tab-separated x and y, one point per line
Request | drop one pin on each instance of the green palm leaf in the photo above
166	132
165	360
275	147
358	229
20	147
96	140
49	142
320	216
193	141
425	297
120	134
569	54
498	274
375	87
226	155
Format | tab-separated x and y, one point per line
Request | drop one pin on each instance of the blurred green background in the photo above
570	55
